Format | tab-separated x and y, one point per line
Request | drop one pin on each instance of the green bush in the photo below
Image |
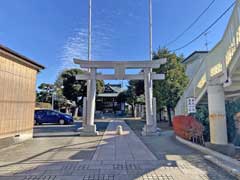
232	107
202	117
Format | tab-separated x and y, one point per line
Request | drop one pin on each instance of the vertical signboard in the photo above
191	105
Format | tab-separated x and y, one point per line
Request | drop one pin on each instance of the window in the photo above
51	113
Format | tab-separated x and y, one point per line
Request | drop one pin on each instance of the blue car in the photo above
51	116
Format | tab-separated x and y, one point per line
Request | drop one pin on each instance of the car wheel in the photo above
61	122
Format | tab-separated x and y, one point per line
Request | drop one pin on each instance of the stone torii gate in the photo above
120	67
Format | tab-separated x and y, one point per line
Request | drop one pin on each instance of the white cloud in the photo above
105	34
76	46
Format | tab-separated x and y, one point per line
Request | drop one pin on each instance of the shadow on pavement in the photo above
56	150
53	130
171	165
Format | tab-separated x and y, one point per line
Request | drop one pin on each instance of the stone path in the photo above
114	157
121	147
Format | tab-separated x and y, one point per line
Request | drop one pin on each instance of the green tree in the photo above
44	93
132	95
129	97
169	91
100	86
74	89
138	86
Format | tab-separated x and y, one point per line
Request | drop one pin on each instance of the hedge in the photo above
188	128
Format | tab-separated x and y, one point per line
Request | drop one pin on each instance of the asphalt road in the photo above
56	130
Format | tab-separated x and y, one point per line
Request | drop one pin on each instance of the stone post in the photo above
155	112
142	111
138	110
84	113
217	114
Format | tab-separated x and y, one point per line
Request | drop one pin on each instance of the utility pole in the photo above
150	30
150	127
89	58
90	31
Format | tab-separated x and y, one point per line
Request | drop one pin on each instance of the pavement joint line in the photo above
122	147
190	166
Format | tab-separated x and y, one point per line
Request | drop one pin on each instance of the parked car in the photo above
51	116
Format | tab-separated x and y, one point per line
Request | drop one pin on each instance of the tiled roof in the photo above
116	89
107	95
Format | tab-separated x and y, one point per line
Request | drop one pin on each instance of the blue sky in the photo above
53	32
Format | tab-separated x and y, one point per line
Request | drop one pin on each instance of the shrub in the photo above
232	108
202	117
187	127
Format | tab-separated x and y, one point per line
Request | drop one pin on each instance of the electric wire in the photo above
191	25
207	29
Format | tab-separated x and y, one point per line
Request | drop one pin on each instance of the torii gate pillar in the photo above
90	127
150	127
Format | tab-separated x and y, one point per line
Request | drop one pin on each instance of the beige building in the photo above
17	96
193	61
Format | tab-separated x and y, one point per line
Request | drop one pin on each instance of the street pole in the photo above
150	31
148	84
52	100
90	31
89	58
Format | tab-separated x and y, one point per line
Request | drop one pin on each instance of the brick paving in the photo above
55	162
114	170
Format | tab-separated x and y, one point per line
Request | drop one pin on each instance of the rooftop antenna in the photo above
206	40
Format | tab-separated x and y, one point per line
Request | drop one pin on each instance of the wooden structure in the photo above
106	101
17	94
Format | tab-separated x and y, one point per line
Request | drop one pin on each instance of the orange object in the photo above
187	127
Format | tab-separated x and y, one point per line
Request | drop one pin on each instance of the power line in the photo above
191	25
206	30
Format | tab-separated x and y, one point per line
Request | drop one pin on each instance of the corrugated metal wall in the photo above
17	97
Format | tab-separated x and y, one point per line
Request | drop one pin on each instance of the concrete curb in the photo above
224	165
229	164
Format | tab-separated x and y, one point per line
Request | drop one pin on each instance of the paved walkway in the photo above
121	147
109	157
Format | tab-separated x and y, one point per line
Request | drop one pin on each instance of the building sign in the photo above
191	105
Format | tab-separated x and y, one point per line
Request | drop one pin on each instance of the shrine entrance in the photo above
120	67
